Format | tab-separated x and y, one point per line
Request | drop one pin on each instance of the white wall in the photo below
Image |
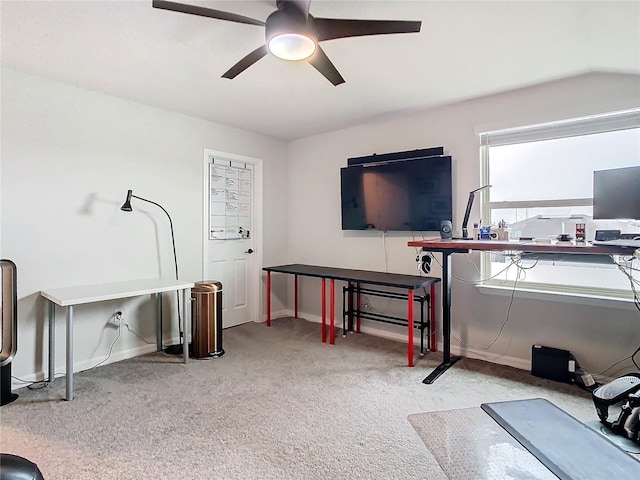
68	158
598	336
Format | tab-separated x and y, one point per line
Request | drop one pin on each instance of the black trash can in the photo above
206	320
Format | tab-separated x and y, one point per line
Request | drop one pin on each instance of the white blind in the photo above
565	128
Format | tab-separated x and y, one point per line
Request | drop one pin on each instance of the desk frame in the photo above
71	296
394	280
448	247
349	311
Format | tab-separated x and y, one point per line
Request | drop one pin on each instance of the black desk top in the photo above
411	282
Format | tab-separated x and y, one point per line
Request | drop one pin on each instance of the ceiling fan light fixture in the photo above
292	33
292	46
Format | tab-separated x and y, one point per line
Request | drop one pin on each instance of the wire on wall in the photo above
628	269
515	260
117	318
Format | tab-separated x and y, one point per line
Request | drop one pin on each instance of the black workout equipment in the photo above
624	391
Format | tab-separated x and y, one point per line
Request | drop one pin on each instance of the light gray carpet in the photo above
278	405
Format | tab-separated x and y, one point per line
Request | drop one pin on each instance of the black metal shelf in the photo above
349	312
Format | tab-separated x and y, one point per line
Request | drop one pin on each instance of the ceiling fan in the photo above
292	33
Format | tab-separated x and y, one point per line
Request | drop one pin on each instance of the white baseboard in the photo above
278	314
87	364
522	364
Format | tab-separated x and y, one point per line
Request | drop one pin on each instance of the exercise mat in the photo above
566	446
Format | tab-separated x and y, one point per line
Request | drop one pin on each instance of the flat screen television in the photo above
402	195
616	193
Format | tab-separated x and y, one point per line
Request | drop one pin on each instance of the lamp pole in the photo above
465	221
126	207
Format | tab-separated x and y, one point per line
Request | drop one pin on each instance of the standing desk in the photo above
449	246
407	282
71	296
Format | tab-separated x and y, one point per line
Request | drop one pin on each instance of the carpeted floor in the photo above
278	405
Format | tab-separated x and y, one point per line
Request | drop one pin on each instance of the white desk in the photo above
71	296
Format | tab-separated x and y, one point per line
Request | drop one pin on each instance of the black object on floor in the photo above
566	446
552	363
13	467
5	385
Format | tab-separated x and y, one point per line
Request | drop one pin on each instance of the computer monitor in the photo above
616	193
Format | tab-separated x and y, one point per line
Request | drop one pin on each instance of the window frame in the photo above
594	124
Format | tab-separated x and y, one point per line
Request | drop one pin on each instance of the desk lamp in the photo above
465	221
126	207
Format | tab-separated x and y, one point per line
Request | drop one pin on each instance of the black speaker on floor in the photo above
446	229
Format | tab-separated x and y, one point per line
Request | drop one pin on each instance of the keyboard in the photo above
620	242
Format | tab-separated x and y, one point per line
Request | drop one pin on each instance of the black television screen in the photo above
616	193
403	195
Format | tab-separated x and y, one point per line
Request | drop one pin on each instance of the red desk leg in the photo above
268	299
324	311
432	303
332	339
410	325
295	293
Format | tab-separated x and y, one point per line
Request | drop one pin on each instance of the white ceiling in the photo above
174	61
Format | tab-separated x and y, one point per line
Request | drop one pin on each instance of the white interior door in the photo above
232	226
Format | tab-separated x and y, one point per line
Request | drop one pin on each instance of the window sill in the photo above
532	293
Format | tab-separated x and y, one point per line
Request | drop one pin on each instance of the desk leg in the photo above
186	308
52	341
268	299
447	361
359	301
410	326
324	310
332	303
433	346
349	326
295	296
159	322
69	367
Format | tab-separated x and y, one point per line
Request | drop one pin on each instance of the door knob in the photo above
249	251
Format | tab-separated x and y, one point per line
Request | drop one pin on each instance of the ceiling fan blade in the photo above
321	62
205	12
246	62
330	28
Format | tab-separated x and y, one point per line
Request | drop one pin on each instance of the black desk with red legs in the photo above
395	280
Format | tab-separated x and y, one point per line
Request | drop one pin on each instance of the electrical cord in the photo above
110	348
628	270
630	357
516	261
44	383
38	384
521	270
137	334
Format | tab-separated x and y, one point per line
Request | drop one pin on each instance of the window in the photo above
541	180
